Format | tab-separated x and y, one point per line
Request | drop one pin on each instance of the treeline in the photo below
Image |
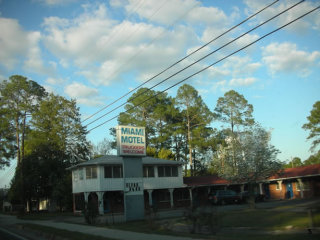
44	133
180	128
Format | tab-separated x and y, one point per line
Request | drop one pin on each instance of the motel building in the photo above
129	184
102	181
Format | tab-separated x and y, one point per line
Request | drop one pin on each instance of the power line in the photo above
200	59
182	59
192	75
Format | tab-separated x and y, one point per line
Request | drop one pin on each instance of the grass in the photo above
233	224
44	215
241	224
54	232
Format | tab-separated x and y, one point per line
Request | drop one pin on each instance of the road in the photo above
6	234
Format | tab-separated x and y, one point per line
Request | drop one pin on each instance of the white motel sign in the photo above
131	141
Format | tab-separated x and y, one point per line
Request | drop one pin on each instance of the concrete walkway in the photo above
6	220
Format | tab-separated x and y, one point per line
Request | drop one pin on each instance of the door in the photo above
289	193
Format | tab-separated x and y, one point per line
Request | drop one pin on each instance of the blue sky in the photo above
96	51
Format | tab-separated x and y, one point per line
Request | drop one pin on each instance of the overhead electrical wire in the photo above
182	59
200	59
229	55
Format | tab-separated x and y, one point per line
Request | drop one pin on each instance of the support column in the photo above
260	188
150	197
73	203
100	203
86	196
280	188
301	187
171	197
191	198
242	188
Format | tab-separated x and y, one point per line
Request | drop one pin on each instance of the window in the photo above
302	186
75	176
148	171
91	172
80	174
114	171
168	171
277	186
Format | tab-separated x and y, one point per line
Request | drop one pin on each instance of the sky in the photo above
97	51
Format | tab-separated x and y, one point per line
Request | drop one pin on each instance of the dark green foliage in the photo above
313	125
19	98
48	141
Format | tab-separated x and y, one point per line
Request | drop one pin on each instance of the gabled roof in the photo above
113	159
204	181
303	171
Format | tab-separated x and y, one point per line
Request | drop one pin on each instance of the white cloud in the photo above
299	27
242	81
83	94
285	57
86	42
13	42
55	2
76	90
55	81
118	3
19	46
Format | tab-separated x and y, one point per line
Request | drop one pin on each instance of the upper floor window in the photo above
78	174
75	176
91	172
148	171
168	171
114	171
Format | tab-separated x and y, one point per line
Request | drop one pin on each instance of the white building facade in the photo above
101	181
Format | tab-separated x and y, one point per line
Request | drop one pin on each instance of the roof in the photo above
303	171
113	159
204	181
297	172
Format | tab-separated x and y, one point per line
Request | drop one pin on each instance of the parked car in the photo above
257	197
224	196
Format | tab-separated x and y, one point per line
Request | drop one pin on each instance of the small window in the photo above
161	171
148	171
277	186
175	171
168	171
108	172
91	172
80	174
113	171
75	176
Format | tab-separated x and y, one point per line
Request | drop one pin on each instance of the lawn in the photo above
238	224
53	233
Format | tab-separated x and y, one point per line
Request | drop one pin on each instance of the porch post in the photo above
242	188
260	188
150	197
171	197
280	188
100	203
301	187
86	196
191	198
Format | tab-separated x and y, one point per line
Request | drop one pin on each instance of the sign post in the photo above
132	147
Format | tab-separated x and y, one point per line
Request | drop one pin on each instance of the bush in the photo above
91	213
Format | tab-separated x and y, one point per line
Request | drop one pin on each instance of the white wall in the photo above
117	184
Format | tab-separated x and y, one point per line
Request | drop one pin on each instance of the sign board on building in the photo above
131	141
